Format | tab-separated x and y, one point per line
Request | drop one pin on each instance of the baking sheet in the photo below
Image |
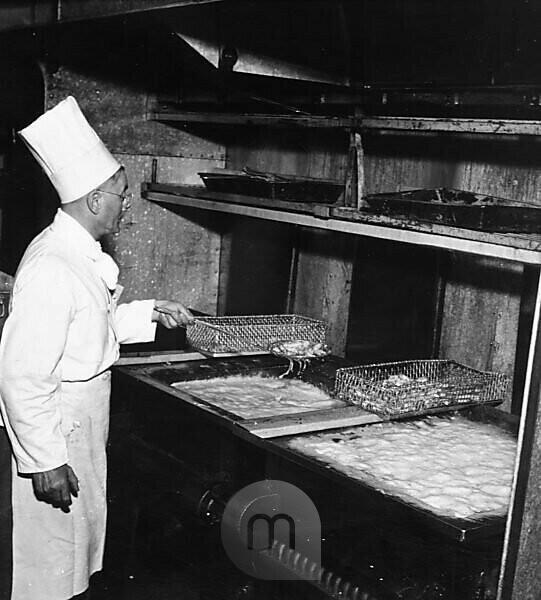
458	208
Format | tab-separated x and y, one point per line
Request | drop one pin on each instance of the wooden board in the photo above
318	420
482	126
287	121
254	267
150	358
333	418
323	285
526	249
197	191
232	354
497	127
526	241
479	327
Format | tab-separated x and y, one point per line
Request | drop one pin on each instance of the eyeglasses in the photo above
126	197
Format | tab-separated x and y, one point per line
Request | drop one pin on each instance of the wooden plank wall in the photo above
323	287
254	267
160	253
482	296
527	576
325	261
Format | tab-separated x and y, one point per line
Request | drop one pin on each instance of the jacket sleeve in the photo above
133	322
32	344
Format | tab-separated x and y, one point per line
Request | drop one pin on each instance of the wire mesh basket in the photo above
418	386
254	333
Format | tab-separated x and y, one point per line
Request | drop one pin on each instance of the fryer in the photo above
173	424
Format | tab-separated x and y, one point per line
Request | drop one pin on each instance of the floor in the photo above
167	561
171	560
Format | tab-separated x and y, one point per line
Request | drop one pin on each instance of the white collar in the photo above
75	234
79	239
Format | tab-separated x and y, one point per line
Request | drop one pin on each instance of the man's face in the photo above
112	206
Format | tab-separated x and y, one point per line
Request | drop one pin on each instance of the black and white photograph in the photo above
270	300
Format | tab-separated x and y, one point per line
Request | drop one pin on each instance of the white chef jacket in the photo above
59	329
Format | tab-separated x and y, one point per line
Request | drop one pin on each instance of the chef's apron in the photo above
66	548
6	524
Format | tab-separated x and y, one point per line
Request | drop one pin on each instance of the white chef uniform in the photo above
57	345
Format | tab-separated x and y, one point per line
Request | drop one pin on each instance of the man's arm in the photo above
136	321
31	348
171	314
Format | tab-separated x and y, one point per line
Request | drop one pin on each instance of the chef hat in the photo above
69	150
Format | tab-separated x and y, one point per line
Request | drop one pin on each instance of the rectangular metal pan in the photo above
458	208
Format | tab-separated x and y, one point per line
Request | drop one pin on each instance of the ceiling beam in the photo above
23	14
27	13
74	10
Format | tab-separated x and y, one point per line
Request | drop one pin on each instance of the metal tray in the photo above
458	208
273	186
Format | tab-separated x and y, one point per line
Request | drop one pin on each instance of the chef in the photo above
57	345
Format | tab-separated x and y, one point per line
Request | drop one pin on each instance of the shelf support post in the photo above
518	576
354	192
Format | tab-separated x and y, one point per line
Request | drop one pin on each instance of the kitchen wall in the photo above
482	296
161	254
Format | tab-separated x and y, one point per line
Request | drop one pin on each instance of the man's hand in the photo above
56	487
171	314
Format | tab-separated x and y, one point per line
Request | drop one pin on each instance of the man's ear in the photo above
93	201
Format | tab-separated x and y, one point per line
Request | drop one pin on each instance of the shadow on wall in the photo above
27	202
393	303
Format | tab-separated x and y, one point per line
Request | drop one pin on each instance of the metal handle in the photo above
216	327
164	311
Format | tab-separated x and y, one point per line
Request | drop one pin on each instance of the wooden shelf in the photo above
476	126
496	127
525	248
203	194
214	118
